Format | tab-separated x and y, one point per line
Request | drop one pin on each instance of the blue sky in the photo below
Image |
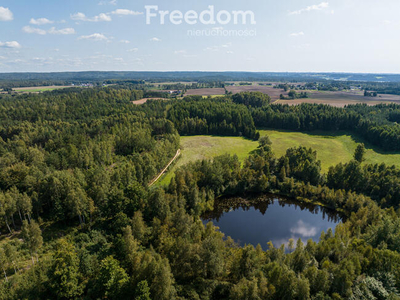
289	35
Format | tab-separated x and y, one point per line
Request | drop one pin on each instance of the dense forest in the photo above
78	220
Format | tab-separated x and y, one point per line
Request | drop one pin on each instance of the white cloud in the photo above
387	22
6	14
40	21
29	29
104	17
320	6
155	39
124	41
301	33
52	30
302	46
183	53
230	52
82	17
212	48
180	52
126	12
94	37
303	229
63	31
13	44
112	2
217	48
79	17
41	61
101	18
16	61
133	50
100	56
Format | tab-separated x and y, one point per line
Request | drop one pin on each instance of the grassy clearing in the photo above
50	232
202	147
37	89
332	148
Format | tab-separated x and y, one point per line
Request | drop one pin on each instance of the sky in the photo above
360	36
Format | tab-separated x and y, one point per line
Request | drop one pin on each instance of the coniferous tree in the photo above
359	154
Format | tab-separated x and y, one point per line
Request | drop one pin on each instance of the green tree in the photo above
264	141
162	286
303	289
360	153
139	228
65	277
33	237
3	211
3	262
293	94
158	205
211	254
12	256
282	174
142	291
112	280
22	201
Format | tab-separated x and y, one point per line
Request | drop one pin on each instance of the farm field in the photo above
332	148
160	84
37	89
338	99
273	93
205	92
144	100
269	90
342	98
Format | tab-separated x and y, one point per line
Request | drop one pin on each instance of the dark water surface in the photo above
269	218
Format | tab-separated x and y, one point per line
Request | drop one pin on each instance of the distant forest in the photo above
37	79
78	219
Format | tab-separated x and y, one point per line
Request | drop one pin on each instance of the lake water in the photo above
268	218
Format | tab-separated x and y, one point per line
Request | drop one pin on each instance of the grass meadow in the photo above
332	148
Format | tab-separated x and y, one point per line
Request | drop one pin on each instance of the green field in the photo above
212	96
38	89
200	147
331	148
28	90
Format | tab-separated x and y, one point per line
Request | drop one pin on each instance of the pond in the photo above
270	218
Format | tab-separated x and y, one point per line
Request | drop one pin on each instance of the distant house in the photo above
174	92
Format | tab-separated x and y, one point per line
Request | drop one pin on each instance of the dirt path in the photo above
165	169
